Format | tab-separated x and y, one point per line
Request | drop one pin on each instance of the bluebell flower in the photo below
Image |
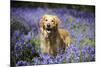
72	54
50	61
22	63
33	50
36	61
45	56
88	53
18	47
44	62
60	58
17	33
29	46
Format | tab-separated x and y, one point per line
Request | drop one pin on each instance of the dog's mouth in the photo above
48	30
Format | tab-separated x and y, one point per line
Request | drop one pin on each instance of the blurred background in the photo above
79	20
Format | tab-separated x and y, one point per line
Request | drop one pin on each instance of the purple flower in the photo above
18	47
16	33
22	63
33	50
29	46
88	53
45	56
72	54
36	61
50	61
60	58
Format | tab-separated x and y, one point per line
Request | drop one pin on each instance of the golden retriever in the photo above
52	38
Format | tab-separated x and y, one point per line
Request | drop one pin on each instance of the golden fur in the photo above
52	38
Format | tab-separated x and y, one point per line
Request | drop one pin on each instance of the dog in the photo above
52	38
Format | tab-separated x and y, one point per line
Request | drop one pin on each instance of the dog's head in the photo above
49	23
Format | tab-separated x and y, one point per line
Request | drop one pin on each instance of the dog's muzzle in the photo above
48	30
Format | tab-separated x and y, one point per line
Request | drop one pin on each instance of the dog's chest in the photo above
54	42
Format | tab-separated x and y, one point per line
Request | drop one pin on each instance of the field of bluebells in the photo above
25	31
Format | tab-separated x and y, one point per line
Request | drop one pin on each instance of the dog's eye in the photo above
52	21
46	20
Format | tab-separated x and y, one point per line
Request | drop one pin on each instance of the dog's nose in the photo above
48	25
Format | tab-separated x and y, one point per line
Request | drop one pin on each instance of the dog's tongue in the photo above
48	31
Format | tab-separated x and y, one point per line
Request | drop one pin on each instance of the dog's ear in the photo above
58	21
41	21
